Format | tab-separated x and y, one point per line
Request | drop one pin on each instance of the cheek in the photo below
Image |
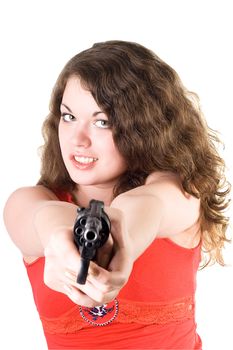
62	141
59	132
62	135
117	158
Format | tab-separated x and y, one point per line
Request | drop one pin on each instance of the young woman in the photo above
123	130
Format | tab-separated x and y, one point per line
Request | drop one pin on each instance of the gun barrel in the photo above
91	231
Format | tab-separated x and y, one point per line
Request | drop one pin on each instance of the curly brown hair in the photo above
157	125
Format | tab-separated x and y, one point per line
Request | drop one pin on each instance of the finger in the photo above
88	287
98	292
70	276
78	297
107	281
72	259
118	226
104	254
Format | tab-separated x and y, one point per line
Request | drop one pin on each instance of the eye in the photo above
67	117
102	123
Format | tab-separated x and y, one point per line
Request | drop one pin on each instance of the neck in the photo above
85	193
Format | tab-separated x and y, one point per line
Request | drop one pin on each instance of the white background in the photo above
37	39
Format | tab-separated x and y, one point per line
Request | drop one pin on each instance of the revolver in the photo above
91	231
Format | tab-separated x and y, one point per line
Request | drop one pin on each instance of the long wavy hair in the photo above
157	125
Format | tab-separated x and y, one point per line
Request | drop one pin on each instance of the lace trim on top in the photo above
157	313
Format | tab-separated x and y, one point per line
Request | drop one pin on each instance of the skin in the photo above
84	131
41	225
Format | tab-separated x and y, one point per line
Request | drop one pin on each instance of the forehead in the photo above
75	94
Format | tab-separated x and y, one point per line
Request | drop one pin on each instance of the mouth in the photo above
85	160
84	163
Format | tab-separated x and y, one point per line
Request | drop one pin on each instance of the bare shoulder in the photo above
165	185
37	190
19	212
180	208
25	196
22	202
163	178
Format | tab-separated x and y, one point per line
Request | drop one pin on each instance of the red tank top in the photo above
154	310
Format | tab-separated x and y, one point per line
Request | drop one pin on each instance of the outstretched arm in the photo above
160	208
40	225
31	214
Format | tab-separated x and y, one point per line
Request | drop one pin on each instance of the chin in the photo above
98	182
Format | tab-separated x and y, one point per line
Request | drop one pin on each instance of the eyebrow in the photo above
93	115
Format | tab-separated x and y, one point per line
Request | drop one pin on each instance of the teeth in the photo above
85	160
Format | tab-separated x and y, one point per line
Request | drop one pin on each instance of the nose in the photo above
81	136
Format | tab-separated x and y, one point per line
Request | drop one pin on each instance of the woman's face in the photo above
86	141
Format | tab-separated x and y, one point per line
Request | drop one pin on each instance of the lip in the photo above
82	166
81	155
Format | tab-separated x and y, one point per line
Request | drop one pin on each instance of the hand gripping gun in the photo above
91	231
